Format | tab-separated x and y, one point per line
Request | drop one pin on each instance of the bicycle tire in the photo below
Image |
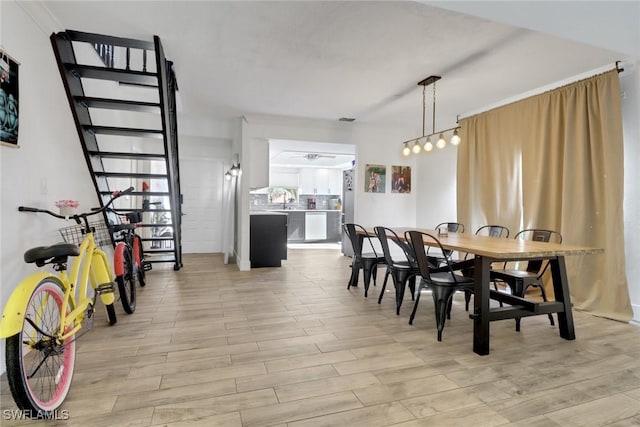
142	279
127	282
40	370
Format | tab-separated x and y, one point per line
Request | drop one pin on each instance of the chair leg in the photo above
517	289
467	300
369	268
400	282
412	287
355	269
384	286
544	298
442	299
449	305
415	306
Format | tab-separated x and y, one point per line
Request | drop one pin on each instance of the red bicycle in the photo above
128	263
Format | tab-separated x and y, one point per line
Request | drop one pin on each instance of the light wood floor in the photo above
291	346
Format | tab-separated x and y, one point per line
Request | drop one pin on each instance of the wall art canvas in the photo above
401	179
375	178
8	99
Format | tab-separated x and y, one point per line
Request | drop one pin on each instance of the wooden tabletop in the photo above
499	248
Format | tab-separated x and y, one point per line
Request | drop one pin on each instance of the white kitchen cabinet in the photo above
335	182
284	177
308	181
320	181
315	226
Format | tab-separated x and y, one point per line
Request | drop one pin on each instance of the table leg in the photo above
481	306
561	290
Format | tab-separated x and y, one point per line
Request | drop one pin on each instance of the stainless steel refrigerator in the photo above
348	197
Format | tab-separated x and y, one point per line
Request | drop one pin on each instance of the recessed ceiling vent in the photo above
346	119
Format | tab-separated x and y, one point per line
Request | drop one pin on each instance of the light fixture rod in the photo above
424	104
431	134
433	120
424	83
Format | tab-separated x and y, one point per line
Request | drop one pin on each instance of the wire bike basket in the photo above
75	234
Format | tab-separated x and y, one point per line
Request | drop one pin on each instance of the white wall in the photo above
49	165
437	199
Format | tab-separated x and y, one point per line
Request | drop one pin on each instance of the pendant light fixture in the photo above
417	145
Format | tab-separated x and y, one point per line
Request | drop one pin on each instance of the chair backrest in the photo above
418	240
385	235
538	235
354	231
452	227
493	230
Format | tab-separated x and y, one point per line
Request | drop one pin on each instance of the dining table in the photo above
487	250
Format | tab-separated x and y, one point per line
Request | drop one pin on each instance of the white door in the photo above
201	185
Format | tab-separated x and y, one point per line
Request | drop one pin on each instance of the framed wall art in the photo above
375	178
401	179
9	100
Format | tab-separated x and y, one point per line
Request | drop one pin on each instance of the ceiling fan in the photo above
315	156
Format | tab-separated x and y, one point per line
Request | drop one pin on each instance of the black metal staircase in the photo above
124	109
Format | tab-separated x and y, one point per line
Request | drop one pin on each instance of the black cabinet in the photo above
268	242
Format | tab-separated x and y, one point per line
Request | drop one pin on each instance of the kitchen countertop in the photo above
298	210
267	213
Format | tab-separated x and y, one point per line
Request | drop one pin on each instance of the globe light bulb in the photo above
441	142
406	150
416	148
455	139
428	146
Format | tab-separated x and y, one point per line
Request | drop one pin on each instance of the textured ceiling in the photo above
328	60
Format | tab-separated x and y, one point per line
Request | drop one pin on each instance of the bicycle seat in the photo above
40	254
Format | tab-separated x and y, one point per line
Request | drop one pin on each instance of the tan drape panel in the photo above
555	161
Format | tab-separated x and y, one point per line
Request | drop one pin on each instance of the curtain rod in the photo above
617	65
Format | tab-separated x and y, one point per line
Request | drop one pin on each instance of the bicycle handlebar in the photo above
84	215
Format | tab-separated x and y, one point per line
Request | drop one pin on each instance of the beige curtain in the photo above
555	161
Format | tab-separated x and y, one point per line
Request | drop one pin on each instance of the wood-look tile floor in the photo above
291	346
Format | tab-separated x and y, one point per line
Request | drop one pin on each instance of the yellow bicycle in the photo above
46	313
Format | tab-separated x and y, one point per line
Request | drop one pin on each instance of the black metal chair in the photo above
443	284
520	280
490	230
367	260
452	227
402	271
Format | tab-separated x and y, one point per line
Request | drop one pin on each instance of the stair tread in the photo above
113	74
123	131
118	104
131	175
123	155
140	193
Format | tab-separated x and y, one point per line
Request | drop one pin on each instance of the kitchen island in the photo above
312	225
268	241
